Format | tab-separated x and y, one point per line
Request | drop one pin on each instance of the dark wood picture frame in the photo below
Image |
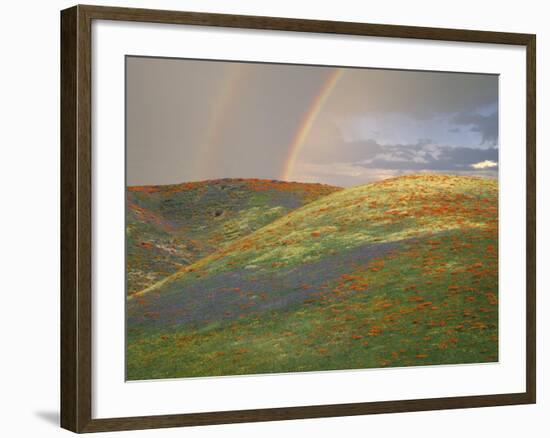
76	218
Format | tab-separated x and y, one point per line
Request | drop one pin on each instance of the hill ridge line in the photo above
136	187
199	263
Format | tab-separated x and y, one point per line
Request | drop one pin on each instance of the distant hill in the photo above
172	226
394	273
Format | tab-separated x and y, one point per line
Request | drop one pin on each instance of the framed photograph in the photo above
270	218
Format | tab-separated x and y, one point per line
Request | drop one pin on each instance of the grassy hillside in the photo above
395	273
172	226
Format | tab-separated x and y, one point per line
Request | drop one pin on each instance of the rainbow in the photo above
228	92
308	121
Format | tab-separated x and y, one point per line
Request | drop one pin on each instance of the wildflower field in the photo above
241	276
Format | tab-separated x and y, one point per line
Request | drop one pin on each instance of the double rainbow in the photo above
228	93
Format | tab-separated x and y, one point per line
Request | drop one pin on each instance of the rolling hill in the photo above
395	273
171	226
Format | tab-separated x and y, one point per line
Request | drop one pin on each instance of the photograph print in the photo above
300	218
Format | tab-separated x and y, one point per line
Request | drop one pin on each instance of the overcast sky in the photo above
194	120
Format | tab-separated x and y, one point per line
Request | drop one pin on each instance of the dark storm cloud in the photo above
419	94
190	120
485	125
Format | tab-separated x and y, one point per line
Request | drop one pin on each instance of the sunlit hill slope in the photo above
171	226
395	273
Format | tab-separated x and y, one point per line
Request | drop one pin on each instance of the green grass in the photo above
173	226
431	300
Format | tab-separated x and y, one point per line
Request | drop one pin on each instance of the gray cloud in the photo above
425	156
420	94
486	126
194	120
